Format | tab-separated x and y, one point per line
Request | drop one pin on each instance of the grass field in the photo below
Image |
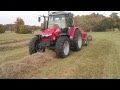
10	37
14	46
99	60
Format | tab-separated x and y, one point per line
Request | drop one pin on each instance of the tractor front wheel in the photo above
34	46
62	47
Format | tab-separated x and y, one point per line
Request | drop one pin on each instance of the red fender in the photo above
72	31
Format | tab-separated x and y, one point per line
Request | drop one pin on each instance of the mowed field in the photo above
99	60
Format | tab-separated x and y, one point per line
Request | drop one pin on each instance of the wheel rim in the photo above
66	47
79	41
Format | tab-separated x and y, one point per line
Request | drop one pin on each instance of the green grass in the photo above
16	50
11	55
11	37
99	60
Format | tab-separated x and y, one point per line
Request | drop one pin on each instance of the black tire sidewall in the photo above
59	46
75	40
32	45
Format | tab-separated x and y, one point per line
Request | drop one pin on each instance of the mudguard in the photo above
72	31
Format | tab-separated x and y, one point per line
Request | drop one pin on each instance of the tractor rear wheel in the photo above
34	45
62	47
77	41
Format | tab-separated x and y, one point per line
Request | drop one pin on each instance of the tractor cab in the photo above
63	20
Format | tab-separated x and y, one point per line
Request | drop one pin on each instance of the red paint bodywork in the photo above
55	31
72	31
84	35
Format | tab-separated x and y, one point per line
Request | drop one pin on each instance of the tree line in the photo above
98	22
18	27
93	22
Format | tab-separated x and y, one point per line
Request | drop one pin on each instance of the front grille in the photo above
46	38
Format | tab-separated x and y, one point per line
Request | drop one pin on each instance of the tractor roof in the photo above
60	13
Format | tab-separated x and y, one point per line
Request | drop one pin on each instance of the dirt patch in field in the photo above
27	65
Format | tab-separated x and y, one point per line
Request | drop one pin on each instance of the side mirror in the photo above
39	19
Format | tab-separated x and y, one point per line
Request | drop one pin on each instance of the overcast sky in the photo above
31	17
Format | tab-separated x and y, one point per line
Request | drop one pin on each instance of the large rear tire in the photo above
33	45
62	47
77	41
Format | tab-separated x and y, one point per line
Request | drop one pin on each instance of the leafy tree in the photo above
87	22
114	16
20	27
2	30
103	25
25	30
116	20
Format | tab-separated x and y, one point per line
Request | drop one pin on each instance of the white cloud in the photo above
31	17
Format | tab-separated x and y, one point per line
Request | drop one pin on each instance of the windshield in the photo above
57	19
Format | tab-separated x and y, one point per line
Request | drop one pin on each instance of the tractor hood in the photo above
50	31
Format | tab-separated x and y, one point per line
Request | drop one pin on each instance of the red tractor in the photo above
60	34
